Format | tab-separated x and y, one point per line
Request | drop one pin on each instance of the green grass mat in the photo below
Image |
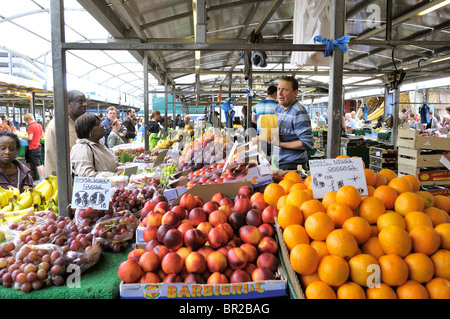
98	282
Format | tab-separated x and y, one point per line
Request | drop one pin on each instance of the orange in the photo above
370	191
425	239
349	196
441	261
319	225
388	173
272	193
319	290
286	184
307	279
350	290
298	186
333	270
394	270
339	213
414	182
427	197
293	176
387	194
304	259
442	202
371	208
444	232
361	268
341	243
381	180
312	206
294	235
395	240
371	176
414	219
420	267
289	215
401	185
359	228
408	202
372	247
412	290
373	231
320	247
438	288
281	201
437	216
308	182
297	198
342	156
383	291
328	199
391	219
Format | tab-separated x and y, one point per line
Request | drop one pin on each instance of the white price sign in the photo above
91	192
328	175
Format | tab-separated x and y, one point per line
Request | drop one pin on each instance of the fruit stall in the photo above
210	224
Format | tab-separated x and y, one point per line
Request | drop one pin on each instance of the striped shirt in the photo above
267	106
293	124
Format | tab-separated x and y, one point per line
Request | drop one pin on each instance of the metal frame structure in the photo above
133	33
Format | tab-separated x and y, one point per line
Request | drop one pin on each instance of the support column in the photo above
335	86
165	102
63	170
395	110
146	115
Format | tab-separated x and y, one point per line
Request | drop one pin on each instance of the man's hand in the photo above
275	138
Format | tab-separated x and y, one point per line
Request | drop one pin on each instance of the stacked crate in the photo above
382	157
421	156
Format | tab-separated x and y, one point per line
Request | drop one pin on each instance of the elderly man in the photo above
294	128
76	106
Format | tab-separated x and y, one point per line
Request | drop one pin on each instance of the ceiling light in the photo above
440	60
433	8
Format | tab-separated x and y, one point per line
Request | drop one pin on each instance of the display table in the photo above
99	282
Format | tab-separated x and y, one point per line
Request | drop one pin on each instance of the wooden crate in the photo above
412	139
418	158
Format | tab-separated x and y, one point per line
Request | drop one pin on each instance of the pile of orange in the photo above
393	243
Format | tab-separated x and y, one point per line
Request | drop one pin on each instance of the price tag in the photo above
91	192
328	175
233	149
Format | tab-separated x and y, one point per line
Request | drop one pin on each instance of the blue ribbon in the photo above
227	105
340	43
248	91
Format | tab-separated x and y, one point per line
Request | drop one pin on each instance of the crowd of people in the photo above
91	137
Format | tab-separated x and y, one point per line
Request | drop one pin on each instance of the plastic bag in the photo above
87	254
114	233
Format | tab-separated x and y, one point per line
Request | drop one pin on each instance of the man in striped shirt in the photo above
294	128
266	106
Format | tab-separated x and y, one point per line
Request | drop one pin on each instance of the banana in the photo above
47	190
52	206
7	208
4	196
41	184
15	191
55	197
36	196
16	205
26	199
53	180
14	214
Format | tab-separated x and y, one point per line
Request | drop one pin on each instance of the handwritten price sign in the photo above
91	192
328	175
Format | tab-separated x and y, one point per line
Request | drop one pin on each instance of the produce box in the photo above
427	177
419	158
413	139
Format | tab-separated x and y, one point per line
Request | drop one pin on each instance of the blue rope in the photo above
248	91
340	43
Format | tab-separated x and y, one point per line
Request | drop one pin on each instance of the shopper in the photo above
349	122
12	171
294	128
35	132
403	115
114	138
89	156
184	122
111	114
130	125
412	122
76	106
433	124
6	124
356	119
319	118
153	124
446	117
266	106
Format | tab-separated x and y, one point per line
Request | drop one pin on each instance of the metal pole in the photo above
33	104
44	124
61	112
395	107
386	100
248	115
165	102
335	86
146	115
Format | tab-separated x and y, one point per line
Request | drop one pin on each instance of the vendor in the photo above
89	156
12	171
114	138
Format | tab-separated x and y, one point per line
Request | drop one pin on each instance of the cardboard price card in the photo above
328	175
91	192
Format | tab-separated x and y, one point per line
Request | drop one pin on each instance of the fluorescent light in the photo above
197	55
440	60
433	8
